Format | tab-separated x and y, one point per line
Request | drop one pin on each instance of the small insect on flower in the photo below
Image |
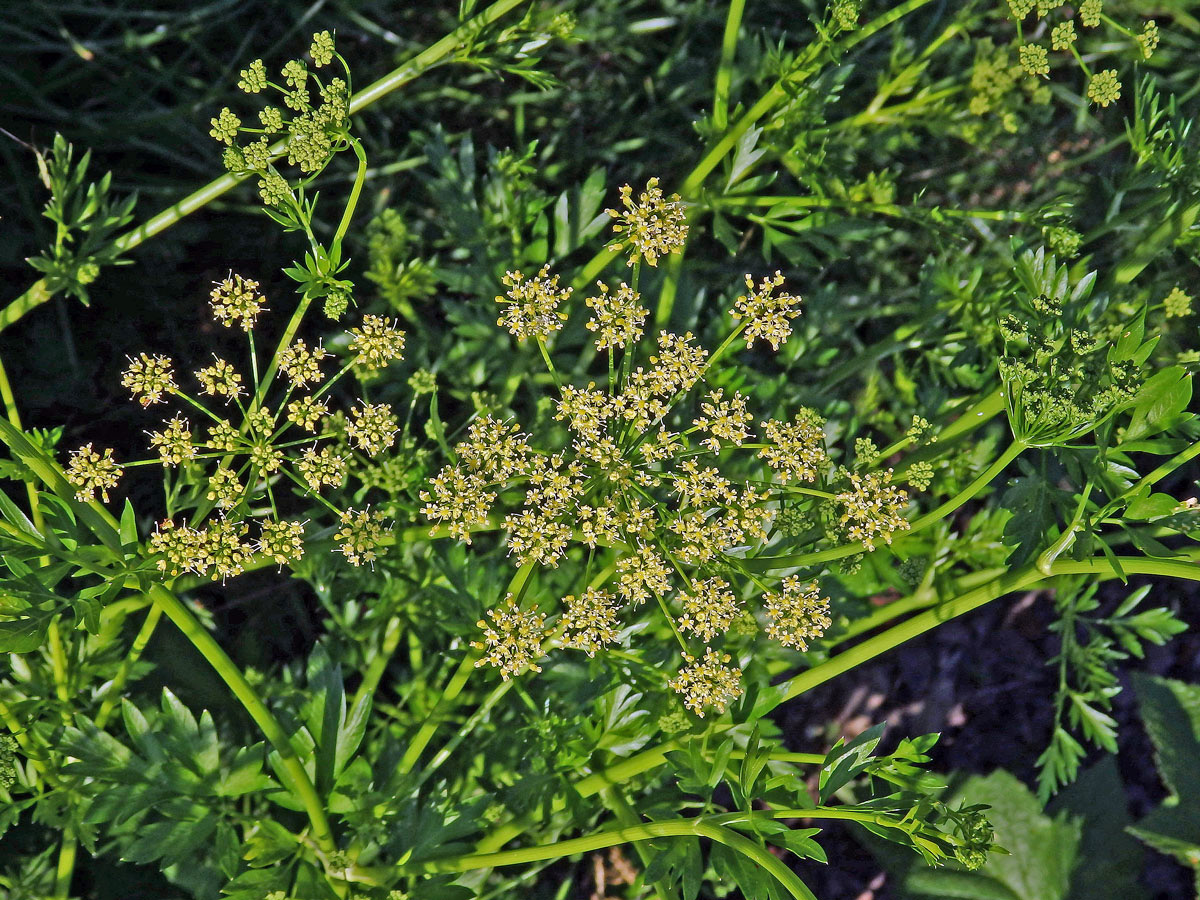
513	640
710	682
89	471
236	299
532	304
377	343
148	378
654	226
767	316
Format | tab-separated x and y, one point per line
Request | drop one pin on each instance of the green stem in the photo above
698	827
777	94
352	202
65	869
301	785
733	24
379	663
135	652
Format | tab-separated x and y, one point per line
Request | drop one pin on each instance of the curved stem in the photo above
733	24
301	785
698	827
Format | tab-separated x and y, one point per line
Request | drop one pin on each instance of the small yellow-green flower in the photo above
1148	39
654	226
174	442
1105	87
282	541
361	534
225	126
377	342
1034	60
148	378
302	365
220	379
1177	304
89	471
323	467
253	78
1063	35
271	118
1020	8
321	50
513	640
236	299
372	427
1090	12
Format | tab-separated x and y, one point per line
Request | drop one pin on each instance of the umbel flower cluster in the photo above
229	463
638	481
313	131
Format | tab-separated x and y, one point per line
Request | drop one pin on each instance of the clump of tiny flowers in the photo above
767	314
709	682
654	226
632	488
797	613
313	131
248	457
513	639
531	304
89	472
1177	304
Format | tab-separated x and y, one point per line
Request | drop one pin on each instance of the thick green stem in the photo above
733	24
301	785
698	827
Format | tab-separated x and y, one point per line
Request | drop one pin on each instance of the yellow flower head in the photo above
236	299
654	226
513	640
148	378
89	471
